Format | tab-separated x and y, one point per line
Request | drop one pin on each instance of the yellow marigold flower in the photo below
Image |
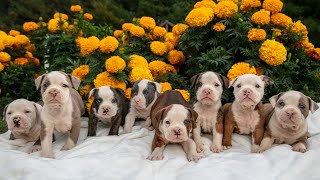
84	91
276	31
308	48
36	61
239	69
8	41
60	15
28	55
281	19
159	31
273	6
139	73
89	45
4	57
261	17
137	61
109	44
105	79
158	48
247	5
2	33
316	54
147	22
219	26
169	45
170	68
179	29
127	93
30	26
226	9
137	31
234	1
127	26
75	8
185	94
21	61
165	86
172	38
21	40
157	68
88	16
2	46
207	4
117	33
255	34
298	27
54	25
81	72
89	103
176	57
199	17
272	52
115	64
14	33
78	41
1	67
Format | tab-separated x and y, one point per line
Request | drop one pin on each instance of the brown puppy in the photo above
287	121
173	120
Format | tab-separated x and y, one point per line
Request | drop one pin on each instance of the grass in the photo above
3	126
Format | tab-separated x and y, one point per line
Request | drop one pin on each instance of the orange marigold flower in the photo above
147	22
14	33
30	26
21	61
176	57
88	16
75	8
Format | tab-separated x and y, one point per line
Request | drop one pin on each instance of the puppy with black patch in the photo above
174	120
143	95
287	121
110	107
246	114
208	87
61	111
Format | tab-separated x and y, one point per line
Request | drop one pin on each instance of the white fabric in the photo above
124	157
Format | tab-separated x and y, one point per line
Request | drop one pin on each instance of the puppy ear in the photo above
224	80
39	80
159	115
119	91
313	106
194	116
38	109
267	80
92	92
231	83
157	86
194	80
4	112
74	81
273	100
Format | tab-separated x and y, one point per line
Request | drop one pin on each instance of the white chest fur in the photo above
207	116
246	119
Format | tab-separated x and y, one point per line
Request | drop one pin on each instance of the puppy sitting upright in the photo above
245	115
208	87
109	106
143	95
287	122
61	111
173	120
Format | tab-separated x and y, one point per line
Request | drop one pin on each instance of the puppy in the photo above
208	87
143	95
287	121
245	115
61	111
173	120
109	106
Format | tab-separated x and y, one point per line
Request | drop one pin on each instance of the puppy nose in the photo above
53	92
290	113
16	119
105	109
207	91
247	91
176	131
137	100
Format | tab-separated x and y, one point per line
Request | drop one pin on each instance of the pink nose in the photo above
136	100
290	113
207	91
105	109
54	92
247	92
176	131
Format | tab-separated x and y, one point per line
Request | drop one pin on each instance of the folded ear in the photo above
194	80
273	100
313	106
160	115
231	83
38	109
224	80
119	91
267	80
74	81
158	87
39	80
92	92
4	112
194	116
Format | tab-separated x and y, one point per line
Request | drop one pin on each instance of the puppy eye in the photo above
199	84
145	92
27	111
9	113
113	100
258	86
45	85
98	100
186	122
281	103
301	106
65	85
167	122
216	85
239	86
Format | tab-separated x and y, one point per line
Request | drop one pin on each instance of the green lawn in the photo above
3	126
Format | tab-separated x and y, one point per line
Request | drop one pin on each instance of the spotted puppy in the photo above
109	106
287	121
246	114
61	111
143	95
174	120
208	87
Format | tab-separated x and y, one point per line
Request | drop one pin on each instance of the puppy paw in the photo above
155	157
299	147
35	148
226	147
200	147
216	148
257	149
126	131
145	125
47	155
194	157
69	145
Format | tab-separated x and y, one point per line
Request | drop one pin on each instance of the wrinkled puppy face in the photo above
55	87
106	102
176	122
21	115
144	92
209	86
292	108
249	89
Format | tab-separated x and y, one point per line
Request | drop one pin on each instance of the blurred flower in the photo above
276	31
219	26
165	86
158	48
8	41
21	61
115	64
21	40
316	54
127	26
4	57
225	9
127	93
179	29
54	25
261	17
159	31
199	17
88	16
84	91
137	61
89	45
281	19
273	6
75	8
298	27
30	26
14	33
185	94
169	45
108	44
139	73
147	22
117	33
89	103
105	79
239	69
172	38
247	5
81	72
137	31
255	34
272	52
60	15
176	57
1	67
207	4
157	68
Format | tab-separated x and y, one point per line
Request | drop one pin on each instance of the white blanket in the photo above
124	157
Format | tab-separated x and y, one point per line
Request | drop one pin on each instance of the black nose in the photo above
16	121
105	110
177	132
